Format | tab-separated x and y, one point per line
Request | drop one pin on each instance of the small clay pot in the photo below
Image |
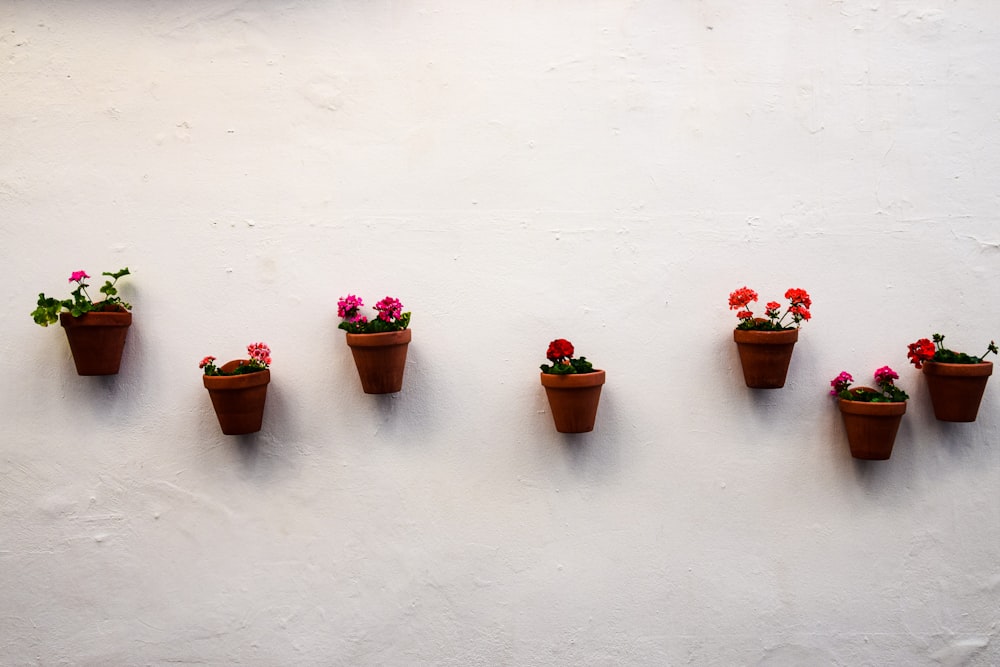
380	359
765	356
238	399
573	399
957	389
871	427
97	340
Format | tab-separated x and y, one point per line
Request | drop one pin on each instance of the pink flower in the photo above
260	353
885	375
840	383
389	309
347	307
206	361
78	276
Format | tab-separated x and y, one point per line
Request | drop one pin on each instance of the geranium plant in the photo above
924	350
560	353
390	316
48	309
885	378
260	359
774	319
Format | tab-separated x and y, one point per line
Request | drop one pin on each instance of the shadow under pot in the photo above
957	389
238	399
871	427
380	359
97	340
573	399
765	356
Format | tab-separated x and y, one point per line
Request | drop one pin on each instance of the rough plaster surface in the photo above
514	172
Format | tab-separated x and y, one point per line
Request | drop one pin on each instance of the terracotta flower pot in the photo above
381	359
573	399
765	356
957	389
97	340
238	399
871	427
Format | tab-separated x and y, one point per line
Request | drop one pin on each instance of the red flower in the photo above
799	297
741	298
799	313
744	314
921	351
559	349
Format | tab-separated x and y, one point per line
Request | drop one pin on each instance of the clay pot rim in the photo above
983	368
755	337
383	339
244	381
573	380
869	408
95	318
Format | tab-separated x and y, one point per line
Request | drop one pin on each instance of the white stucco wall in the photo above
514	172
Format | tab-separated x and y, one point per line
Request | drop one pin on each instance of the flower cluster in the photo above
740	300
560	350
560	353
48	309
924	350
260	359
921	351
841	383
260	355
885	378
390	316
774	319
389	309
347	308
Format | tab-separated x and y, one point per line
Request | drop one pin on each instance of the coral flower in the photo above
741	298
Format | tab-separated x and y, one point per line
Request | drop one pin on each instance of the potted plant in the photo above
871	416
956	380
573	387
765	343
379	346
238	389
95	331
